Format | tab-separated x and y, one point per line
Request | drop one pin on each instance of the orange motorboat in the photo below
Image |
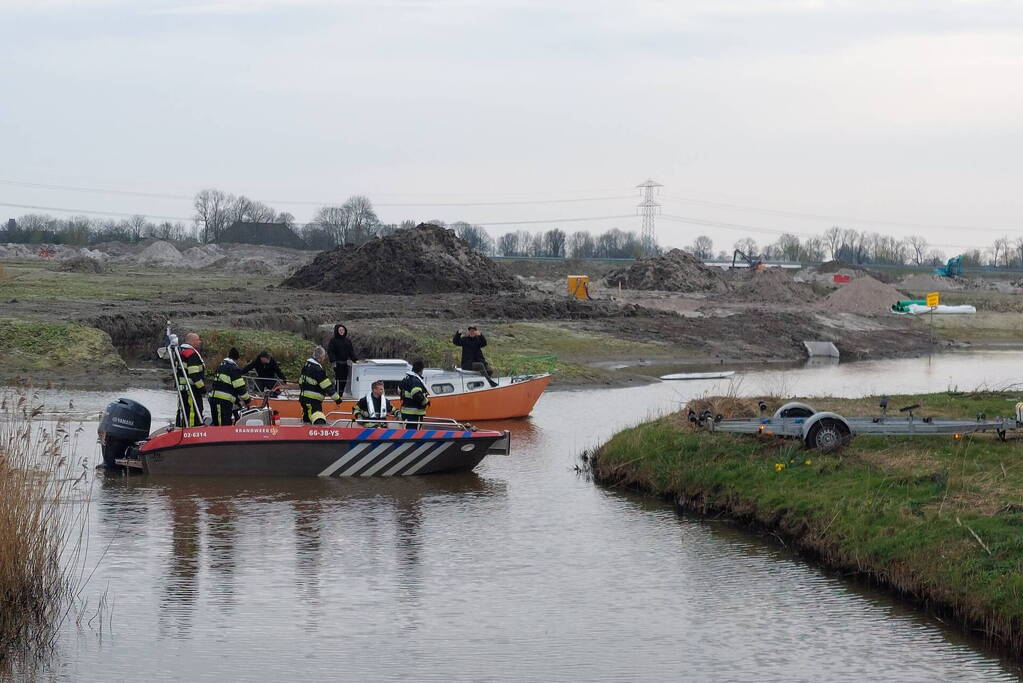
458	394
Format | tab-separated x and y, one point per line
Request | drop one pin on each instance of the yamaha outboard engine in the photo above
124	423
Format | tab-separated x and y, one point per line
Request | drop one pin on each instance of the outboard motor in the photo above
124	423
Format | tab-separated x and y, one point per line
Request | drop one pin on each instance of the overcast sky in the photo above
900	117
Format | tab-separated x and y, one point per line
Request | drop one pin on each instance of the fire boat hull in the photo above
312	451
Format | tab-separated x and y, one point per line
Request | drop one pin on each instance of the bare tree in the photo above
211	213
747	245
918	248
554	243
833	241
582	245
137	225
702	248
1000	251
474	235
362	219
508	244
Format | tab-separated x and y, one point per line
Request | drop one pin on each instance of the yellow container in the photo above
579	286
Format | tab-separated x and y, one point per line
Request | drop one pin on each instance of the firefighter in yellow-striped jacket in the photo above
313	388
190	376
228	389
414	396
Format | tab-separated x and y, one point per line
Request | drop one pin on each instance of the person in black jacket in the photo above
266	369
342	355
472	353
313	386
228	390
373	406
414	397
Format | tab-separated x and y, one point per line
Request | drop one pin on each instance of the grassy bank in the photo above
512	347
35	346
290	350
939	520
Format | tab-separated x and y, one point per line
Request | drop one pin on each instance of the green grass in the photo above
30	281
290	350
47	346
906	510
512	348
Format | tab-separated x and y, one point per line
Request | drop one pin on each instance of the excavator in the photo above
752	262
954	267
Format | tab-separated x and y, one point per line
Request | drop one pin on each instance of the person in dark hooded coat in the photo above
342	355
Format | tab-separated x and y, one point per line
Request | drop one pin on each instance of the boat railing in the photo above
336	417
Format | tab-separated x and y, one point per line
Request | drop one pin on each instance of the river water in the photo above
523	570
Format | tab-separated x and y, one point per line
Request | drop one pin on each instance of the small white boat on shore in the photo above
699	375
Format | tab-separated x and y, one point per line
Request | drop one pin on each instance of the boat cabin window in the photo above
443	388
473	385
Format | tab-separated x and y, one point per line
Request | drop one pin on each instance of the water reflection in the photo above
335	526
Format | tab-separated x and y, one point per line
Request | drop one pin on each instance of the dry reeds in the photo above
41	532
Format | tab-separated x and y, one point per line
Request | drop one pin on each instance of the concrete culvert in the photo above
420	260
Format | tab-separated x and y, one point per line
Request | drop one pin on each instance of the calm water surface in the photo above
523	570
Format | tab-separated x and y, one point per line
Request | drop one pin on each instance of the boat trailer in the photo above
828	431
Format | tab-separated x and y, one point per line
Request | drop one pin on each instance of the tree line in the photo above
354	221
862	248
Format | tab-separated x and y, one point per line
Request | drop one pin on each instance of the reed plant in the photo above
42	525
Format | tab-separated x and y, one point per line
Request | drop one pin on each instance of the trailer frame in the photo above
829	431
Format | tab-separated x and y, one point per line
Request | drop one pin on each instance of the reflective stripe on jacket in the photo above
229	385
195	371
314	384
414	396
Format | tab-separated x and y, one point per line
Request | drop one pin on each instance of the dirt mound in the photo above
675	271
771	285
865	296
922	282
420	260
161	253
83	264
835	266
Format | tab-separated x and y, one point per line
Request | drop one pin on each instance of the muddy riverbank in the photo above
132	306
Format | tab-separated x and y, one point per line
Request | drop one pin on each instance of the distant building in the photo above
270	234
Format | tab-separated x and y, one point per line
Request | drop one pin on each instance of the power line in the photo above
302	202
827	217
559	220
774	231
91	212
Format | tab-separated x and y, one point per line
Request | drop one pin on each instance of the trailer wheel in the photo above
795	409
828	435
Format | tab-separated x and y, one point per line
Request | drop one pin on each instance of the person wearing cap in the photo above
228	390
472	353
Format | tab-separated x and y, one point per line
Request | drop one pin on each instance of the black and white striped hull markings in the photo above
385	459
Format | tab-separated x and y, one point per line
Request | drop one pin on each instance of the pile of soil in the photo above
675	271
922	282
865	296
83	264
771	285
420	260
161	253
